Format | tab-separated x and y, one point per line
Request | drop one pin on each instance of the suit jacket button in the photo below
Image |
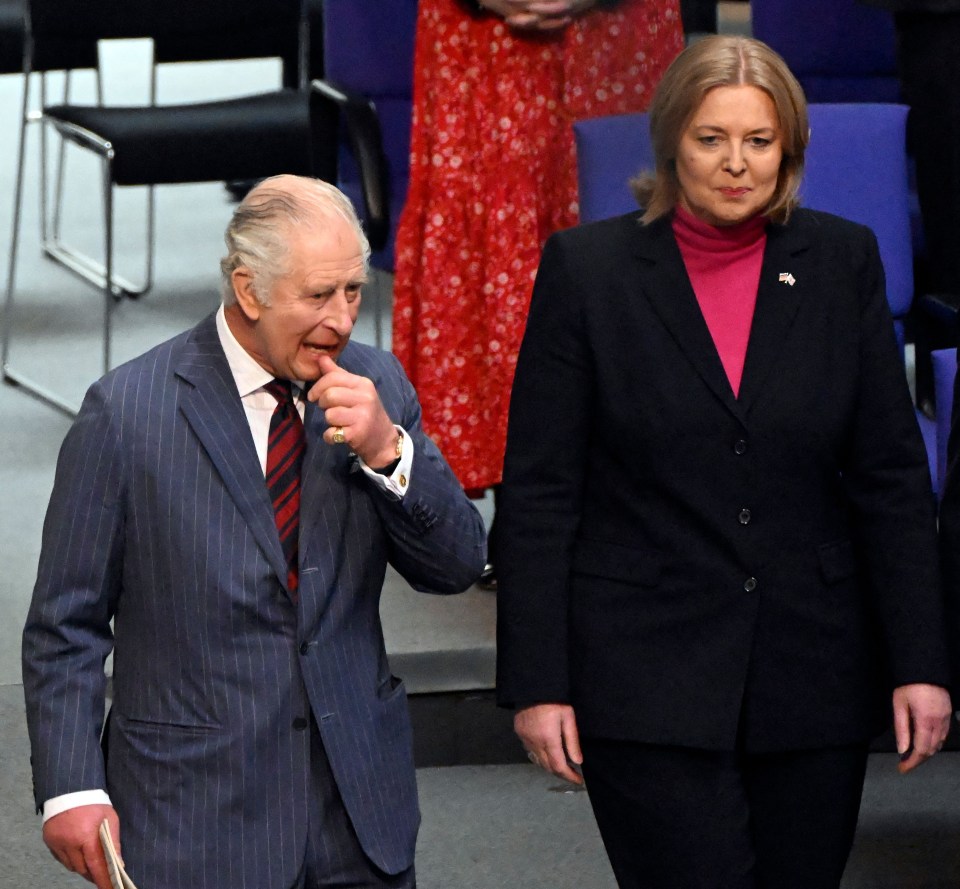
300	723
740	447
750	584
304	647
744	516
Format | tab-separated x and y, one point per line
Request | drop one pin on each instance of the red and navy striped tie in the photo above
285	451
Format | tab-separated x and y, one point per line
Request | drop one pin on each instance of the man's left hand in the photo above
350	403
73	838
921	720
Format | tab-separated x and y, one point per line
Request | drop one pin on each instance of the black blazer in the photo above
682	565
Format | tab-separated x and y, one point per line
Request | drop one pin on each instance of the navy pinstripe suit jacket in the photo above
160	521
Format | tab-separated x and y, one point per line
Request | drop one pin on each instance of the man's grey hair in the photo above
256	236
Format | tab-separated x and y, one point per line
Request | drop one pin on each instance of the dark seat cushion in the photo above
12	33
245	138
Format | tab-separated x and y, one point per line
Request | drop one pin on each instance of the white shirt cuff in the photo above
57	804
399	480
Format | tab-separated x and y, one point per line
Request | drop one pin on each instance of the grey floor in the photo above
484	826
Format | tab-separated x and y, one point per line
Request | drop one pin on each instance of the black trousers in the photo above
677	818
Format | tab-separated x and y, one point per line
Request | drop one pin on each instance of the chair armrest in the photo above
365	139
942	307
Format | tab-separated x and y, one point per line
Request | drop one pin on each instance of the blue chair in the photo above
610	151
852	148
839	50
368	59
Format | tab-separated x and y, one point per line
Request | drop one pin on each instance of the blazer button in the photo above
300	723
740	447
744	516
750	584
304	647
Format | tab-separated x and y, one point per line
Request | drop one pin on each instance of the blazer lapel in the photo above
318	499
214	411
667	286
324	502
324	492
783	284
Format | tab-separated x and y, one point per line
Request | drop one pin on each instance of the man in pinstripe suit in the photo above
256	737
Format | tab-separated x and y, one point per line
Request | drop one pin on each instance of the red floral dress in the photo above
493	174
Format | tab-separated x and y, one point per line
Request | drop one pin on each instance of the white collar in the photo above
247	373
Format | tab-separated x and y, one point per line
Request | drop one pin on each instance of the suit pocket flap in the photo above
837	561
598	558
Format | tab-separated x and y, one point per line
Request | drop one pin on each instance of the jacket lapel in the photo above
783	283
324	504
214	411
667	286
318	499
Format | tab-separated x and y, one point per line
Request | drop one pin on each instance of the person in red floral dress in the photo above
493	174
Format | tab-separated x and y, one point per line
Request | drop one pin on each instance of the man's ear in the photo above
242	280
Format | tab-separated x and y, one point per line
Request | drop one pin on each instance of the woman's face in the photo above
729	155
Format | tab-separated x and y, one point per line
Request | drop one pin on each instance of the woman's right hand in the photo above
549	735
535	15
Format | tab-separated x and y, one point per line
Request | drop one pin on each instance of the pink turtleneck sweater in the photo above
723	264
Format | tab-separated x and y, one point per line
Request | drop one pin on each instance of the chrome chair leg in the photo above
107	281
10	374
14	233
44	230
108	293
80	263
61	159
52	244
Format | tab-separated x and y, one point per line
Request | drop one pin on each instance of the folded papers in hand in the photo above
118	876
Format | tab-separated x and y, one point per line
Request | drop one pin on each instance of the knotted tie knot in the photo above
282	391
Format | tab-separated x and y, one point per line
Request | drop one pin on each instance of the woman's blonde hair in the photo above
703	66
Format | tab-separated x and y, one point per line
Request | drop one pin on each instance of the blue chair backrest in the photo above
839	50
610	151
856	166
369	48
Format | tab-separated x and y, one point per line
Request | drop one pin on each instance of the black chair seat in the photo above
249	138
204	141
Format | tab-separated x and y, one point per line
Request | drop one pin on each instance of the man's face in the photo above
313	308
